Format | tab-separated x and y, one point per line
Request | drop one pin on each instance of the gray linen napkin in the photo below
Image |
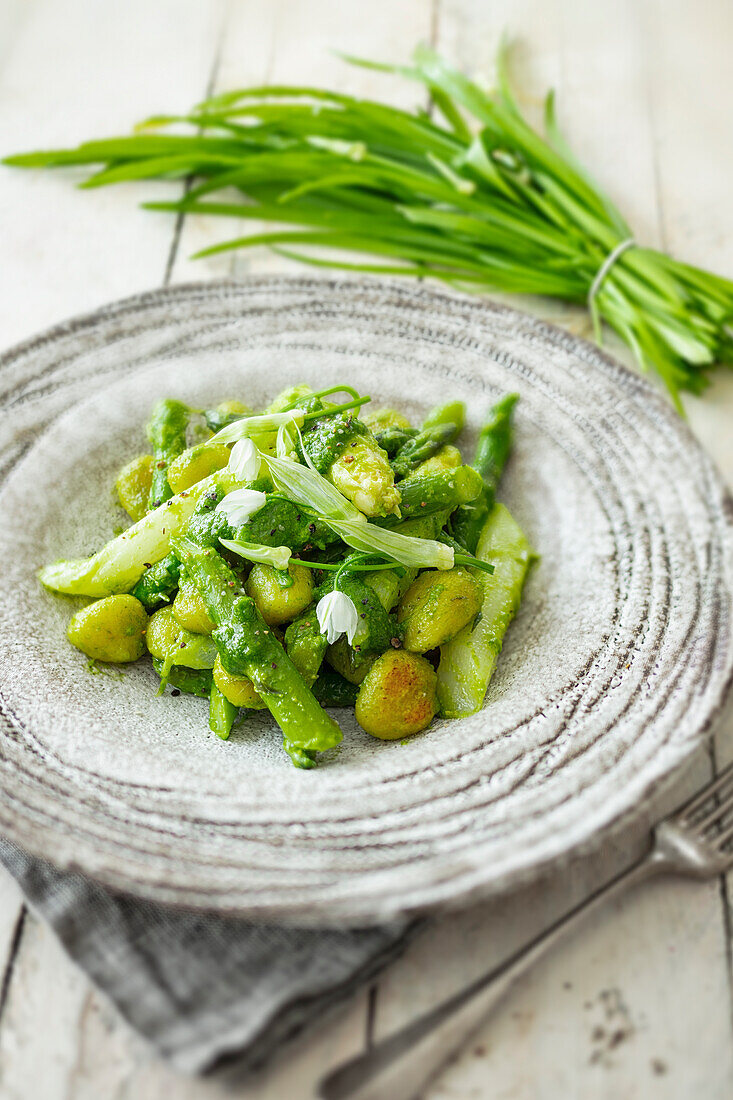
204	990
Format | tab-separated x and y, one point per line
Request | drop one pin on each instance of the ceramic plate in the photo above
609	679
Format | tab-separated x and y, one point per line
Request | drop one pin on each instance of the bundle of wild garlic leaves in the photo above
477	199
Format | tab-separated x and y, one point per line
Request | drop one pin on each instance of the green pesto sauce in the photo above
305	645
248	647
326	439
158	582
281	523
331	690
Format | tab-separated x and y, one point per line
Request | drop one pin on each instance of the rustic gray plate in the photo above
609	679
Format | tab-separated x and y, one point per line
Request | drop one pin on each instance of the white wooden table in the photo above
639	1005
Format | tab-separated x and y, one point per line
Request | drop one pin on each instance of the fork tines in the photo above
711	811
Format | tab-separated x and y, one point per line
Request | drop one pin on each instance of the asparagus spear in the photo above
248	647
492	450
430	494
419	496
192	681
407	448
393	437
119	565
158	583
452	413
222	713
424	445
468	660
160	580
166	431
305	645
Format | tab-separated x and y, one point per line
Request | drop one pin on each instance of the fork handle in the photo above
401	1066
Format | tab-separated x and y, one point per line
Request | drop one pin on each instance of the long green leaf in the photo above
498	209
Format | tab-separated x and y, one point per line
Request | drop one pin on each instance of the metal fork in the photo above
696	842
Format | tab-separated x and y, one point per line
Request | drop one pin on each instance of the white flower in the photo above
285	447
255	425
337	615
244	461
240	505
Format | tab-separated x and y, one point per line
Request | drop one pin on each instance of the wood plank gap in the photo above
267	79
434	22
728	932
656	166
15	943
371	1014
724	900
210	86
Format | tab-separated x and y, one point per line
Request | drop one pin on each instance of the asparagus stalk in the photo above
305	645
420	496
158	583
192	681
468	660
119	565
454	412
422	446
222	713
248	647
492	451
166	431
393	438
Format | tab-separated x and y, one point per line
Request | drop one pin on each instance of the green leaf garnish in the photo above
276	556
475	198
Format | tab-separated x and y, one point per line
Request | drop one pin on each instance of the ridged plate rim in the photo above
32	810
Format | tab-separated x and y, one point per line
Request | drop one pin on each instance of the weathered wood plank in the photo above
76	70
39	1025
691	96
690	93
12	926
616	1013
